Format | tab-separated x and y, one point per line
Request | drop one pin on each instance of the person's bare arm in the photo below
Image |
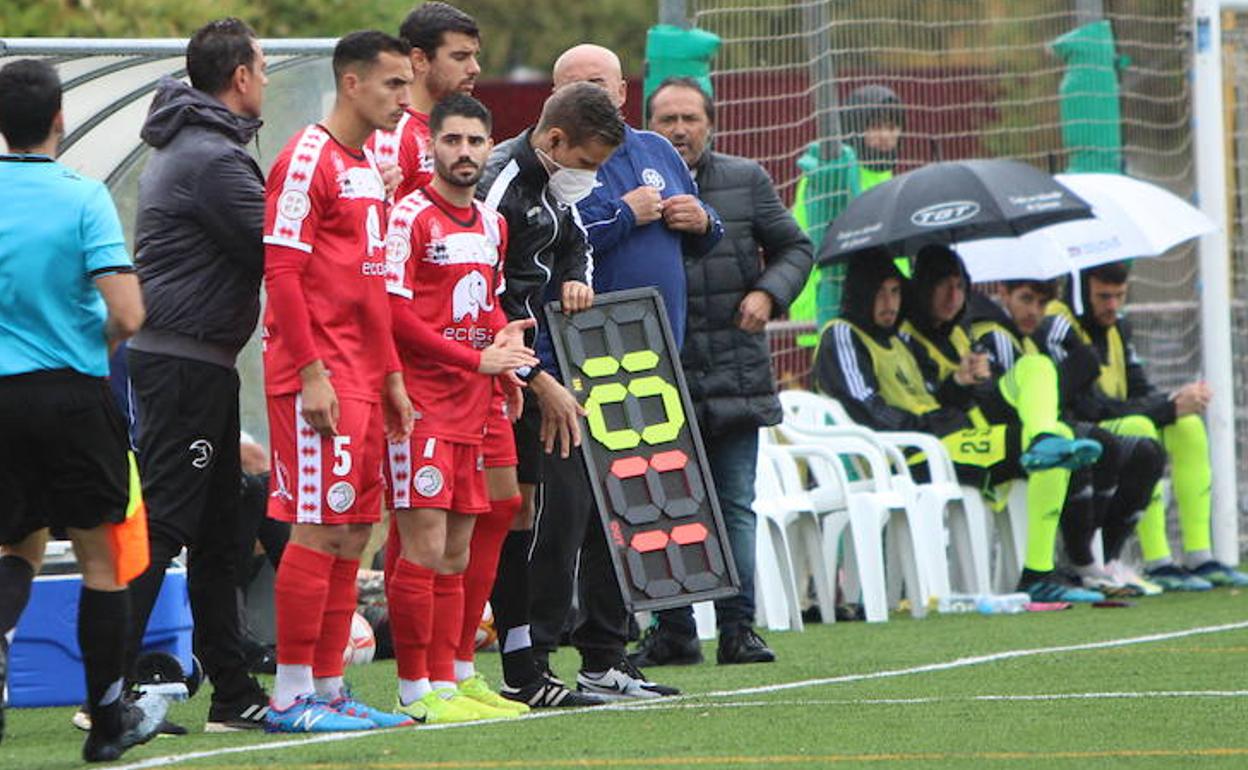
125	306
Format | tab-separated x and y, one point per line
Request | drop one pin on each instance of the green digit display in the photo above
609	393
669	429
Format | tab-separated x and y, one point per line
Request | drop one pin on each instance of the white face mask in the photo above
569	185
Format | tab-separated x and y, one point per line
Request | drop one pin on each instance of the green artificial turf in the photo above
1174	702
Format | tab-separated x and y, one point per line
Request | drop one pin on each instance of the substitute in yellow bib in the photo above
1028	393
863	362
1125	402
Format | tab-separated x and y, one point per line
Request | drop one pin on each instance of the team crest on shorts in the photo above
654	179
427	481
340	497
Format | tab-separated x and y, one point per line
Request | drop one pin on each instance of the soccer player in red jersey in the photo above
444	255
333	379
445	42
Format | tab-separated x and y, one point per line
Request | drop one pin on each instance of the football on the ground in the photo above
486	635
361	645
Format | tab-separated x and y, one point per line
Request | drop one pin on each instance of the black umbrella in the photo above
949	203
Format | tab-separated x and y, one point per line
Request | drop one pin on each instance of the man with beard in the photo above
444	255
1124	402
333	379
864	363
937	331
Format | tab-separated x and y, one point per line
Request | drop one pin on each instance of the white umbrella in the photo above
1131	218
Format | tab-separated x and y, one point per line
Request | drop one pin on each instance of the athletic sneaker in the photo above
438	707
476	688
548	691
310	714
348	706
1172	577
1048	451
1051	591
245	713
140	722
82	717
479	709
621	682
1109	585
1127	576
661	647
1220	574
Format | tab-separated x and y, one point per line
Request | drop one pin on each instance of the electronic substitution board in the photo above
643	451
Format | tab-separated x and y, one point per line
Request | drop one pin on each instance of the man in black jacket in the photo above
200	261
534	181
750	277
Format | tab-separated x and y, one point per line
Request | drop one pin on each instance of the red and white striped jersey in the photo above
445	267
324	212
407	146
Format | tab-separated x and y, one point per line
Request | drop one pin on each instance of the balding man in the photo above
639	218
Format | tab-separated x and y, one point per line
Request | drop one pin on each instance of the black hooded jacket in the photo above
1143	397
846	370
198	249
1077	366
546	244
932	265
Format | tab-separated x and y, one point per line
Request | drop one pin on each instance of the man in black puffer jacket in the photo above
750	277
200	260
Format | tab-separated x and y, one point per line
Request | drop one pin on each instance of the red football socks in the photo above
336	627
448	619
411	618
487	542
300	592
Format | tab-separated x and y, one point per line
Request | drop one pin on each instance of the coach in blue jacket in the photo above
641	218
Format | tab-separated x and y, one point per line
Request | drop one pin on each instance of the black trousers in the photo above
568	524
192	486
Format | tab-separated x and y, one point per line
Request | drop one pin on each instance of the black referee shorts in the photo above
63	451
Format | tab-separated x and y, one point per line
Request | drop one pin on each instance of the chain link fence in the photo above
984	78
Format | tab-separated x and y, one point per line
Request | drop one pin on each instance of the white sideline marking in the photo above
977	660
1150	694
680	701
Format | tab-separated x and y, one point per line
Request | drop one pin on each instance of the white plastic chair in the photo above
864	511
777	603
952	514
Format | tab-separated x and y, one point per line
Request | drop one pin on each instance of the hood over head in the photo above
866	273
932	264
178	105
867	105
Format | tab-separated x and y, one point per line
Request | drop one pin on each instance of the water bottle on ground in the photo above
985	604
1002	604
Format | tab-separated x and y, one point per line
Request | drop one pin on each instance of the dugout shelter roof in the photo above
109	85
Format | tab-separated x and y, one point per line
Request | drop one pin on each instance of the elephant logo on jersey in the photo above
470	297
373	227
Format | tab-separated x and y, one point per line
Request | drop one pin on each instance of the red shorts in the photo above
429	472
499	446
325	479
